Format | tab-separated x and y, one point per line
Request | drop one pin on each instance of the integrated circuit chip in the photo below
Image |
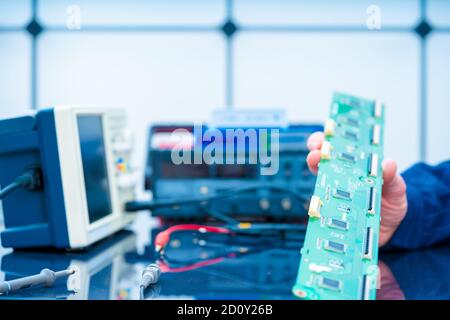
352	122
351	135
334	246
342	194
347	157
337	224
329	283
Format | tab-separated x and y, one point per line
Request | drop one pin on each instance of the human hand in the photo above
393	203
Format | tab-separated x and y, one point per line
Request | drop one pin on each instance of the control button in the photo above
264	204
121	165
286	204
204	190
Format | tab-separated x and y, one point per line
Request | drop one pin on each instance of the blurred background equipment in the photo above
200	265
257	266
99	270
176	61
250	194
261	232
67	176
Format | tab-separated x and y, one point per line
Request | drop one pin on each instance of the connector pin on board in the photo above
372	201
376	133
325	151
330	125
377	109
314	207
368	244
373	165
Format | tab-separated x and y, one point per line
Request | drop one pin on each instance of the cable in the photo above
231	251
260	241
152	292
29	180
149	205
242	228
218	215
166	267
13	186
150	276
239	227
266	228
141	292
163	237
220	250
46	277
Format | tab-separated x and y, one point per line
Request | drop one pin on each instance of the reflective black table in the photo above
199	266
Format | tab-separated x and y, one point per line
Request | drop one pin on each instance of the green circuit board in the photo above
340	252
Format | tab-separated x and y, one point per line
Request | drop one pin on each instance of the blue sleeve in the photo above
427	221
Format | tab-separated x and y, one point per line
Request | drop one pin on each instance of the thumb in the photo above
393	185
389	171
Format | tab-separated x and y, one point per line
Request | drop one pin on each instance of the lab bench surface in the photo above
199	266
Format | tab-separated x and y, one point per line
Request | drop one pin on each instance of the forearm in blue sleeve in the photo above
427	221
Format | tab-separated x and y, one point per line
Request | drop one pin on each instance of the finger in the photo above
389	171
313	160
393	182
315	140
